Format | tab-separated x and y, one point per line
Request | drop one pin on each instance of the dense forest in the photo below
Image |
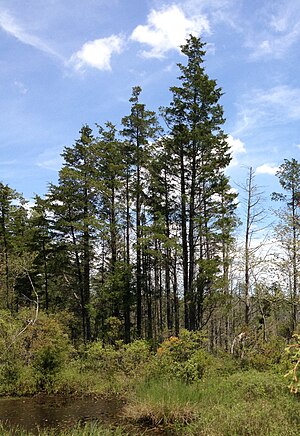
138	237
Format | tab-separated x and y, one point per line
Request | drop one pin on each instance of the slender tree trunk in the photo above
127	297
5	246
86	281
113	233
294	263
80	284
185	262
86	267
247	249
175	297
192	302
138	248
167	257
45	276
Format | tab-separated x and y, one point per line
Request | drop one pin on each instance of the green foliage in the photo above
184	358
33	352
263	355
293	357
112	329
123	358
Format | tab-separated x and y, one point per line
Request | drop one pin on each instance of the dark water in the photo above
56	412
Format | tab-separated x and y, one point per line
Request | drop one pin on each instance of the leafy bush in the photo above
135	356
263	355
293	357
184	358
109	359
39	349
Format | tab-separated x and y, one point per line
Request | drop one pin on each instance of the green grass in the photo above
89	429
244	403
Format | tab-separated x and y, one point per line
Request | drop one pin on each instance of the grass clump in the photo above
163	402
244	403
94	428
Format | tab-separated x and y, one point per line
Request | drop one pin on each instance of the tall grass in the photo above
244	403
89	429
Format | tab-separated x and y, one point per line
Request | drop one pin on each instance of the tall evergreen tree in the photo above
15	258
110	165
289	229
73	204
139	128
199	145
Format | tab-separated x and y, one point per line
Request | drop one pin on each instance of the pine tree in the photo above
289	178
110	166
140	127
201	153
73	205
15	257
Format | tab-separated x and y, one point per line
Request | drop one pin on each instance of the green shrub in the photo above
134	357
263	355
183	358
38	349
293	358
123	358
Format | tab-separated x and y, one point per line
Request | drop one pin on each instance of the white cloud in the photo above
273	46
50	160
167	29
270	169
13	28
20	87
97	53
280	32
285	16
237	147
284	99
265	107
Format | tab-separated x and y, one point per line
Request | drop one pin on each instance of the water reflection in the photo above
56	412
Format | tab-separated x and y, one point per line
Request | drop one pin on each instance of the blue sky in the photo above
65	63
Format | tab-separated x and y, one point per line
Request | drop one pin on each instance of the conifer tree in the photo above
110	166
289	229
16	257
195	119
140	127
73	204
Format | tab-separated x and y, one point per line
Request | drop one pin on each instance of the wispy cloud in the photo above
11	26
167	29
270	169
281	30
8	162
50	160
283	101
275	47
261	107
97	53
20	87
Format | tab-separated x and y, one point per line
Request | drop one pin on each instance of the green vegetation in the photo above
90	429
245	403
127	279
178	386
